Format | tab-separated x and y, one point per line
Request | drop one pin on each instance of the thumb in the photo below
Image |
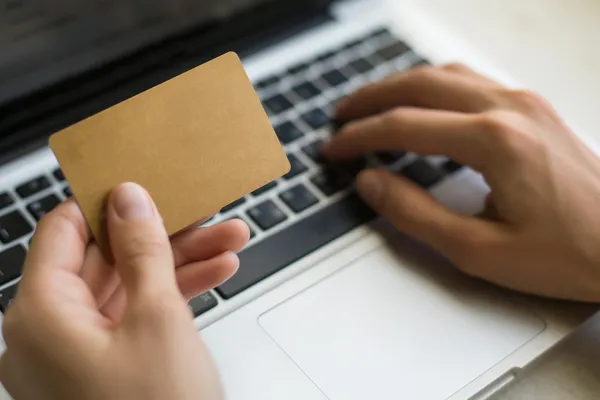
139	243
414	212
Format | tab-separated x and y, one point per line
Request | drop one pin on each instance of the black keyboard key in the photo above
380	33
33	186
422	173
299	198
291	244
287	132
362	65
278	104
390	157
6	297
306	90
313	151
353	167
5	200
11	263
297	167
393	50
265	189
326	56
203	303
43	206
334	78
331	180
58	174
452	166
316	118
233	205
421	63
352	44
265	83
13	226
296	69
67	192
267	215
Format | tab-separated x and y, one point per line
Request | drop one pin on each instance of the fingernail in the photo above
370	186
131	202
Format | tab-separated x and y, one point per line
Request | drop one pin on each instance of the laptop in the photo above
330	302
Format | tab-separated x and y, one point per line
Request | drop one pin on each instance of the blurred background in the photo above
33	32
548	45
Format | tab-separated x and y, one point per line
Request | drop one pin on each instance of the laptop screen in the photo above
44	41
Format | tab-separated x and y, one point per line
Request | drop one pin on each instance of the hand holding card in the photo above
197	143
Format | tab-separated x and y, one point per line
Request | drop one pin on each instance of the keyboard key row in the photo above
294	242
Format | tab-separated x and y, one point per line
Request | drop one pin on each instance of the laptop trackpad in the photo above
408	334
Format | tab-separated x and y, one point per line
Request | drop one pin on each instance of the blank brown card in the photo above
197	143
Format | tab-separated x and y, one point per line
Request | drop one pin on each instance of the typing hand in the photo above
540	232
80	328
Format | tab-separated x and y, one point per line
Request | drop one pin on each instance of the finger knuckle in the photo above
142	247
505	131
528	100
396	119
425	73
468	255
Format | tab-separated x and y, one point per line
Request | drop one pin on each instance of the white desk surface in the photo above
550	46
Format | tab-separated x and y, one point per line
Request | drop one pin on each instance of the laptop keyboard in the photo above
292	217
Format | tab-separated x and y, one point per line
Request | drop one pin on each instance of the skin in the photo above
82	328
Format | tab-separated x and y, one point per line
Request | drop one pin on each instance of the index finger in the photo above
59	243
427	87
425	132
